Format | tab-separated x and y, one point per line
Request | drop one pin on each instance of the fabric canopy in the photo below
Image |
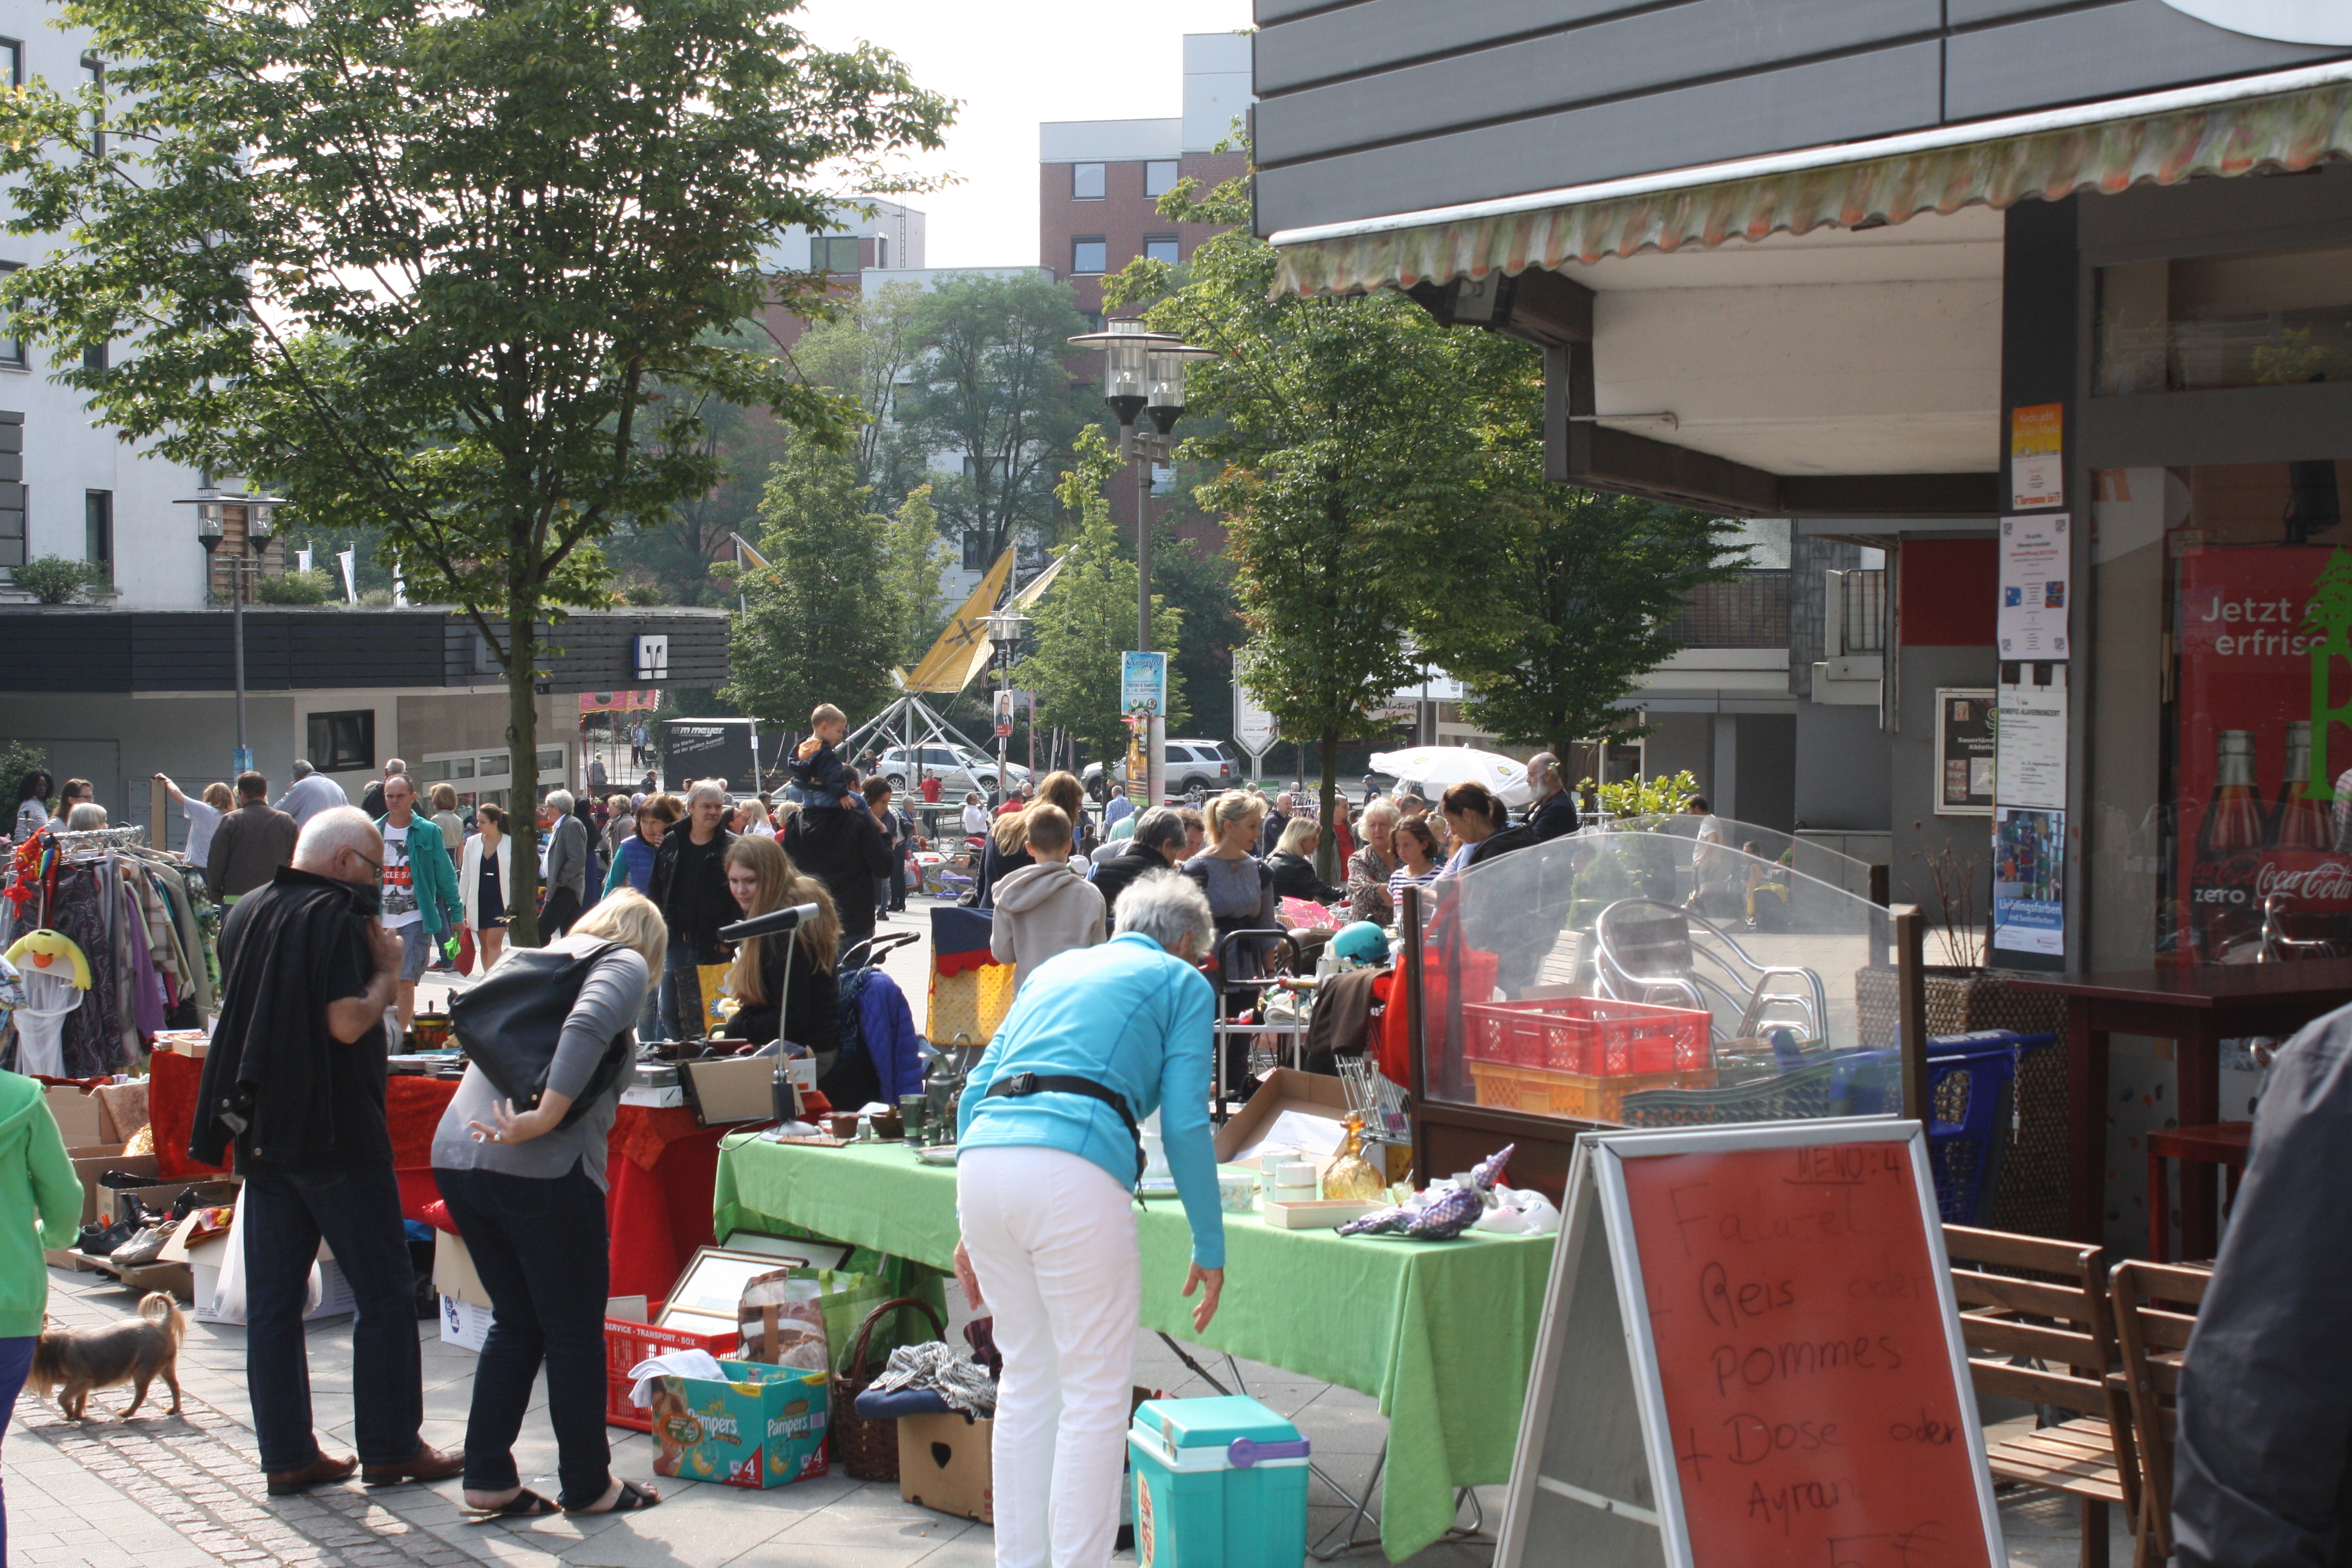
2289	121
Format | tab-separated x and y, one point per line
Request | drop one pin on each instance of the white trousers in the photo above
1052	1237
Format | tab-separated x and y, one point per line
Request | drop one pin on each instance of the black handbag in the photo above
509	1021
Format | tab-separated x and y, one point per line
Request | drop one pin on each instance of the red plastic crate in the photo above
1587	1035
627	1343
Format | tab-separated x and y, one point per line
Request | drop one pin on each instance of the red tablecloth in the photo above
659	1168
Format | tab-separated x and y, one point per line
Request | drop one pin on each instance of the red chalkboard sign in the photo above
1780	1298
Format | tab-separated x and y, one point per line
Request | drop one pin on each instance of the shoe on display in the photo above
141	1249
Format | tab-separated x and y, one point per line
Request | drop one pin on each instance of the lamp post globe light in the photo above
1143	373
213	507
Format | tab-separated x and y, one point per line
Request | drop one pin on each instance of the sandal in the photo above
633	1498
524	1504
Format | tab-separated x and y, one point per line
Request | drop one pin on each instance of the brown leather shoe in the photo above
427	1464
320	1470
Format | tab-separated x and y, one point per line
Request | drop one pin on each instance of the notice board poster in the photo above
1805	1352
1964	750
2029	833
2263	786
2037	461
2036	566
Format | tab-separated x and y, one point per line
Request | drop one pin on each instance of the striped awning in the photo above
2286	121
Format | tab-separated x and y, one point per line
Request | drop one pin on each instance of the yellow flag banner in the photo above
962	650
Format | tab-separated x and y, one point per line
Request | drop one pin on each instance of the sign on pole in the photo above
1143	682
1750	1353
1003	714
1255	729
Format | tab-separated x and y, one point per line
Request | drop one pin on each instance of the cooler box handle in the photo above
1247	1451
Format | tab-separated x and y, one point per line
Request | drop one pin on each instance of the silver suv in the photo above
959	770
1205	766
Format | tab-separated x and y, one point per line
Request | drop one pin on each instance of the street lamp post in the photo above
1144	373
212	529
1005	630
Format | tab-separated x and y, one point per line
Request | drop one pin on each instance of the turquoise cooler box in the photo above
1218	1483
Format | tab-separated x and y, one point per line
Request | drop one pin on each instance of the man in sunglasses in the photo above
294	1085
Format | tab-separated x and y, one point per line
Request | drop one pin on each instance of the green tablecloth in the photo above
1440	1333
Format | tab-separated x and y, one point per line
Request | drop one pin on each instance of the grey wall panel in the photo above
1608	60
1874	94
1974	13
1269	12
1382	33
2140	46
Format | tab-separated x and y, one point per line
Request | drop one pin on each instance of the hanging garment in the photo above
81	913
56	977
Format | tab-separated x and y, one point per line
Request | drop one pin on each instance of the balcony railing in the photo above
1748	611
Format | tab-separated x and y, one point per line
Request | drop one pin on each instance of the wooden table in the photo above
2198	1009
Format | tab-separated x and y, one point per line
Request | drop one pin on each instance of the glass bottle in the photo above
1350	1175
2233	817
2300	822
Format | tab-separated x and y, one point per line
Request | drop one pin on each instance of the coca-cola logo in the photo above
2330	881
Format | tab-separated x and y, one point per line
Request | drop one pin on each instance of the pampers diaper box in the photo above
756	1426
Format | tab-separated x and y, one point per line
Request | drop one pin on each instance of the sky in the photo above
1014	64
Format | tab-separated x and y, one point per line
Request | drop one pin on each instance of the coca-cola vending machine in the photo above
2264	750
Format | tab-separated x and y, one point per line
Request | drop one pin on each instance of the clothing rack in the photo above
99	838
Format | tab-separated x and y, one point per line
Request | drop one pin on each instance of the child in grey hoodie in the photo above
1045	909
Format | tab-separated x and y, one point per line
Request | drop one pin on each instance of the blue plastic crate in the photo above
1969	1081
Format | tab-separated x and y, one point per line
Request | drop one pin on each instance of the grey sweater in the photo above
609	1001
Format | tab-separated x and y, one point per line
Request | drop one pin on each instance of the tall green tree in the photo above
824	622
424	268
1342	434
912	554
869	352
1087	618
991	380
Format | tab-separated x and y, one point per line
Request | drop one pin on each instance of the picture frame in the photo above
711	1288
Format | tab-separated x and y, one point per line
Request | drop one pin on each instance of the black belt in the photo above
1020	1085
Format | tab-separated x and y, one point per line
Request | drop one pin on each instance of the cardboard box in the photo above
763	1427
464	1324
81	1115
668	1094
122	1111
1285	1089
172	1278
630	1337
736	1089
453	1271
944	1464
183	1042
93	1162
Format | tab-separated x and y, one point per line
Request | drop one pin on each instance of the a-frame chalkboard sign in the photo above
1750	1355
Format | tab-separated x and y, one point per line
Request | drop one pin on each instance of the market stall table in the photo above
2197	1008
1440	1333
658	1169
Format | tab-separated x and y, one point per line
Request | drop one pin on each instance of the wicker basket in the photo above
868	1445
1958	1000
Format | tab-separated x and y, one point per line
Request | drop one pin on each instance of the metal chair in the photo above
1646	954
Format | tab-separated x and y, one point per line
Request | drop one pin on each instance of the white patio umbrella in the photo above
1437	768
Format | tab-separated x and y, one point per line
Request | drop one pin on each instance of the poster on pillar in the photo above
2036	564
2264	752
2029	878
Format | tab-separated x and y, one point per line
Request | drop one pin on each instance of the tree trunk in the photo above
521	891
1327	851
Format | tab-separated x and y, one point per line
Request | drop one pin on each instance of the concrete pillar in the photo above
1725	795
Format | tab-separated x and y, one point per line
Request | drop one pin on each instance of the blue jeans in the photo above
682	994
15	1361
358	1214
542	1252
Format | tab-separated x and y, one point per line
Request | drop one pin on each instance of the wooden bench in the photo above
2024	1298
2155	1307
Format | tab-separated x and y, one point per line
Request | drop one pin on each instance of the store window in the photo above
833	253
1089	256
98	529
1160	248
12	62
12	347
1159	176
2262	319
1086	182
342	743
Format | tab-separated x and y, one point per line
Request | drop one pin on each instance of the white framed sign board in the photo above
1750	1353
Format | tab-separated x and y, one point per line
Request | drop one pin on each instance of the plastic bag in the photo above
1520	1211
228	1291
782	1323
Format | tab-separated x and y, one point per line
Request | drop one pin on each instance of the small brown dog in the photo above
135	1351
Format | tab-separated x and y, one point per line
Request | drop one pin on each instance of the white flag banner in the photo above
351	574
399	589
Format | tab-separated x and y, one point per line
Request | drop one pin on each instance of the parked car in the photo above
957	769
1188	765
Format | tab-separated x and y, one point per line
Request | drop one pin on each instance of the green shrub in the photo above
54	580
312	587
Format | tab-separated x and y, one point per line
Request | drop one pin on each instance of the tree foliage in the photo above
1087	619
823	622
445	271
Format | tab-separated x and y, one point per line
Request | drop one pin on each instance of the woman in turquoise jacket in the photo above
42	1197
1047	1156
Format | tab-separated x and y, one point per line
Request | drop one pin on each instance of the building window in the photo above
2270	318
94	357
12	347
12	61
12	531
1086	182
1163	478
975	543
1159	176
1088	255
881	252
1160	247
343	742
95	68
836	253
98	529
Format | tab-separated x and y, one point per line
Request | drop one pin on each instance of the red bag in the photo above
464	950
